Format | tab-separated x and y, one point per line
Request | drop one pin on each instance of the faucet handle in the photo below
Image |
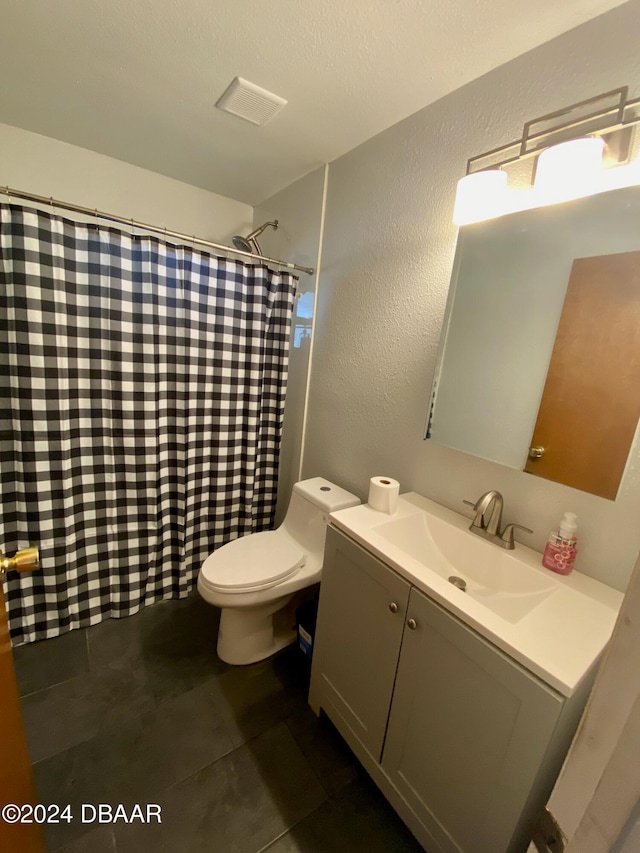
507	535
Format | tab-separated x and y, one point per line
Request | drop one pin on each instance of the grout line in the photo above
277	838
235	747
50	686
293	826
303	752
86	638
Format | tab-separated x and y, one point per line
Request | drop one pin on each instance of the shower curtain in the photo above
142	403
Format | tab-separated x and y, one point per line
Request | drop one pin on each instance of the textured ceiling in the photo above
138	79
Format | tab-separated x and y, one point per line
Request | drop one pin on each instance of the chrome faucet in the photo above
488	523
488	517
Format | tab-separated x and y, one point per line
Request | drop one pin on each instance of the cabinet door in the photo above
467	732
360	621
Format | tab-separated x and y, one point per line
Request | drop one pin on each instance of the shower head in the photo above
250	243
242	243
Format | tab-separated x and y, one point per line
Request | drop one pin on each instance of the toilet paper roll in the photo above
383	494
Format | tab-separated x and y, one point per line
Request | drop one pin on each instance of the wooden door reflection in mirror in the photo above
590	406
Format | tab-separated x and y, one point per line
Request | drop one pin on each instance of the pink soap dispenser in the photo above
561	549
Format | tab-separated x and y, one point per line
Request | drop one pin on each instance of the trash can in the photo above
306	616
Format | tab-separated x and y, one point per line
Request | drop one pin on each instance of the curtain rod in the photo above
166	232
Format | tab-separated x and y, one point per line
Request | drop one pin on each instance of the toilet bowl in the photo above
254	579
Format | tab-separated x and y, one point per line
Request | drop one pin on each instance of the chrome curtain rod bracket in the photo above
612	111
132	223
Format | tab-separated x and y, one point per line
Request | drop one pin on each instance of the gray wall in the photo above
388	249
298	209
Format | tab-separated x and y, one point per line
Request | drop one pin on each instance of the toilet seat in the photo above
253	562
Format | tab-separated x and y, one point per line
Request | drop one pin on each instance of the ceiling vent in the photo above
250	102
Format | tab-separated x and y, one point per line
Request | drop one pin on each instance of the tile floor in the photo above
140	710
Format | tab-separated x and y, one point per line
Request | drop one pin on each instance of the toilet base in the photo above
250	634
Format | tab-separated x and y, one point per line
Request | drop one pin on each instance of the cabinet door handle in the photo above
412	624
393	607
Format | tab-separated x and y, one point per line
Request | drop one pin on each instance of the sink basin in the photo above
494	577
555	626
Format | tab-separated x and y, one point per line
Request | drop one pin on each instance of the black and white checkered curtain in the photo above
142	403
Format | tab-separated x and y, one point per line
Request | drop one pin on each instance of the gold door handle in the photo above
536	452
22	561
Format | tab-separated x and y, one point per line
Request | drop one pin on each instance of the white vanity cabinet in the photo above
463	740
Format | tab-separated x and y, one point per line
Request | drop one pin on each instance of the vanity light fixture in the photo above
578	150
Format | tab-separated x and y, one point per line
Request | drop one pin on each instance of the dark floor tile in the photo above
359	820
122	638
334	763
135	761
258	696
100	840
48	662
239	804
114	640
78	709
180	663
175	639
167	619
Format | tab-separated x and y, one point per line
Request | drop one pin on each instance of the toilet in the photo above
254	579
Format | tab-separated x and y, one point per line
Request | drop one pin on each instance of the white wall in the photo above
48	167
299	211
388	249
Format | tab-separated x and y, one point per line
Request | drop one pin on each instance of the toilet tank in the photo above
308	514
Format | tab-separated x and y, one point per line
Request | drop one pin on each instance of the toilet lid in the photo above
255	561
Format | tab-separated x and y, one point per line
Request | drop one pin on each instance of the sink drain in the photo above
459	582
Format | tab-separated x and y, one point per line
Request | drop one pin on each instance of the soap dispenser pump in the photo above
561	549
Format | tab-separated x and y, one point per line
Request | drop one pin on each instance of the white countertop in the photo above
558	639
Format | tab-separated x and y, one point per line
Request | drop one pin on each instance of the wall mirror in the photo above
539	360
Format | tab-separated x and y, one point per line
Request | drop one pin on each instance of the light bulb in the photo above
481	195
569	170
